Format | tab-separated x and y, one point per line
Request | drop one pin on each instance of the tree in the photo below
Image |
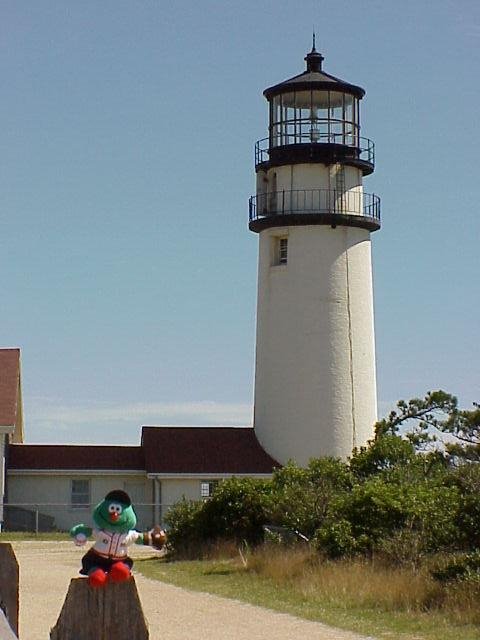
464	426
436	414
425	413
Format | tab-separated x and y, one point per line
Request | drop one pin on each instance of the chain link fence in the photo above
49	517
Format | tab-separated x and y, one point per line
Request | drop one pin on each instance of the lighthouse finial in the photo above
314	59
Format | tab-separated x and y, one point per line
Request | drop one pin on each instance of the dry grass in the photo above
367	584
371	597
461	601
217	550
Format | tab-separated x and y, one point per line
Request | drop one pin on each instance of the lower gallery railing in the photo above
314	201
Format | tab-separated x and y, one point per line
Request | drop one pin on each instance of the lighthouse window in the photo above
282	250
305	117
349	120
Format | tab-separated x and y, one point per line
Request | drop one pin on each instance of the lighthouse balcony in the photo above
314	206
315	146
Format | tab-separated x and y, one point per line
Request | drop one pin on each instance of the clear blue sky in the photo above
126	161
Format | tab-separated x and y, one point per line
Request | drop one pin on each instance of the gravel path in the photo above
46	569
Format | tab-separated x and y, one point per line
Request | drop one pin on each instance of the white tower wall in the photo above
315	388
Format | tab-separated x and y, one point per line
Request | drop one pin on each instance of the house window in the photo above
207	487
80	495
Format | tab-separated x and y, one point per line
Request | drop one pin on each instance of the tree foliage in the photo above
423	421
302	496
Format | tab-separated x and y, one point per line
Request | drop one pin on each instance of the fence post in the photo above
36	520
111	612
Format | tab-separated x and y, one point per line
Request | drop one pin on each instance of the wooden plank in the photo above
9	585
111	612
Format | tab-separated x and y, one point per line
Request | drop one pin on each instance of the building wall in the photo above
52	493
309	176
17	436
174	490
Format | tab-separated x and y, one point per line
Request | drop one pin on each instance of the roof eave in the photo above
73	472
308	83
152	475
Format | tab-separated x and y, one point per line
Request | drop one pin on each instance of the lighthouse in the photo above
315	383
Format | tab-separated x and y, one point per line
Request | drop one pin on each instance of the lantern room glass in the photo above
309	117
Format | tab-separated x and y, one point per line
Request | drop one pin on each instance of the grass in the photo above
360	596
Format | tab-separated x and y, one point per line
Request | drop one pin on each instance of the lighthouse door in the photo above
336	193
272	199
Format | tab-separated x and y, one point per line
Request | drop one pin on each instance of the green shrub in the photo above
384	453
466	478
335	539
184	521
377	511
237	511
459	567
302	496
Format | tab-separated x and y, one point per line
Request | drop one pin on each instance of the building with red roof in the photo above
61	482
54	486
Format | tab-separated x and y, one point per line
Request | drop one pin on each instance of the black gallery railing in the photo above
314	201
361	148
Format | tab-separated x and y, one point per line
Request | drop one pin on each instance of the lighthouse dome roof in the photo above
313	78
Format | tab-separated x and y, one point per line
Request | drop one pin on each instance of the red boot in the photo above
97	578
119	572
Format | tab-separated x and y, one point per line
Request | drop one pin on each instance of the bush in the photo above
335	539
460	567
302	496
237	511
384	453
404	547
184	521
466	479
375	511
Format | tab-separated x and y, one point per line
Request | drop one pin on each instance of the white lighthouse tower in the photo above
315	387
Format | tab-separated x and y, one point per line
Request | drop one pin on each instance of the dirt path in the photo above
46	569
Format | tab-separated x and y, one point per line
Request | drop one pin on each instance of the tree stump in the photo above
107	613
8	586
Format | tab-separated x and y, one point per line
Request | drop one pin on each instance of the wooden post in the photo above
113	612
9	586
6	632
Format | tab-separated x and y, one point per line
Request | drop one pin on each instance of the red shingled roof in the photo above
203	450
63	457
192	450
9	383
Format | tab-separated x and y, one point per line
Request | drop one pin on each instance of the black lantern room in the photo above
314	117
